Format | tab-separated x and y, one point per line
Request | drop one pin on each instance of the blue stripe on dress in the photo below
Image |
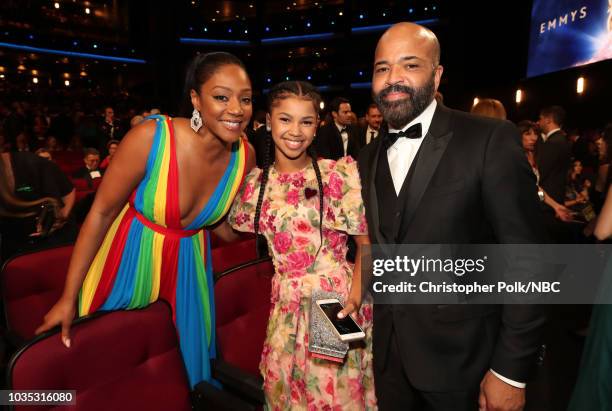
123	287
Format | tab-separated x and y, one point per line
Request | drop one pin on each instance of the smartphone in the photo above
346	328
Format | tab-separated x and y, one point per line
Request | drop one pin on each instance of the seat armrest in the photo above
208	397
234	379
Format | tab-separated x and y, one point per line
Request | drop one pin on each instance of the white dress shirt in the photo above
371	134
344	135
402	153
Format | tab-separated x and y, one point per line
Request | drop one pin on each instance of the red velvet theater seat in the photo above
31	284
230	255
122	360
242	304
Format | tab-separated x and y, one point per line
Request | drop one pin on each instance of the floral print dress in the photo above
293	379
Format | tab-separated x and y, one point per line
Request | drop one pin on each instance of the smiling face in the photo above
406	73
224	102
293	121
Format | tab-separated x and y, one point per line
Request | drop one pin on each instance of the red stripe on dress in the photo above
113	260
169	272
173	212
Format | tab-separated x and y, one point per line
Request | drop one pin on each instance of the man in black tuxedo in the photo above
373	119
338	138
553	159
91	170
553	154
436	175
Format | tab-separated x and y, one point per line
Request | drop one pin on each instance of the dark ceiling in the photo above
330	43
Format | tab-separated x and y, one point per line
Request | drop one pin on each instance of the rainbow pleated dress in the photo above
147	254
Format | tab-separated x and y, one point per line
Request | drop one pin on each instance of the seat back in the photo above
121	360
242	304
233	254
31	284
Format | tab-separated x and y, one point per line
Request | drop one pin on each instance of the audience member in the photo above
373	119
91	170
489	107
111	147
338	138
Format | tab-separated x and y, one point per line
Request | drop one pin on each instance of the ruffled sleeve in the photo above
343	193
242	214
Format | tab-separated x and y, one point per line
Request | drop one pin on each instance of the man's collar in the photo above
338	126
550	133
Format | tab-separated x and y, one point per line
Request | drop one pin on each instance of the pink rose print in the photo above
248	192
301	242
335	186
293	197
330	216
282	242
325	285
283	178
299	260
302	225
329	388
299	181
356	387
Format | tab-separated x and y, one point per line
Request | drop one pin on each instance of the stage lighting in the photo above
35	80
519	96
35	72
322	105
56	5
67	83
87	10
580	85
476	100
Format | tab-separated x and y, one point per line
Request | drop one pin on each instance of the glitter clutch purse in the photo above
323	341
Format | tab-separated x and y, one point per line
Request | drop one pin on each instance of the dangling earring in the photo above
196	120
268	128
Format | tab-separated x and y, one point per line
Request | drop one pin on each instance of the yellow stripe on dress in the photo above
90	284
156	262
159	207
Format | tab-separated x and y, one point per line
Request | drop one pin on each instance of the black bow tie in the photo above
413	131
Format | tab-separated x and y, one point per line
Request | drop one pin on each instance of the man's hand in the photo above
496	395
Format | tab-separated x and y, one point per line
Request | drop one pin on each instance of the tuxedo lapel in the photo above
428	158
372	205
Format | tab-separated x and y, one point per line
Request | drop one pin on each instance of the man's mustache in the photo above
396	88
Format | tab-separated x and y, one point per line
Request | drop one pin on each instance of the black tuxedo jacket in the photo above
329	142
362	136
471	183
83	173
553	159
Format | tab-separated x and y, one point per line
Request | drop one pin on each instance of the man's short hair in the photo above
335	103
371	106
557	113
90	151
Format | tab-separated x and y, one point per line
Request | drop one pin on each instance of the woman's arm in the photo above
68	201
122	177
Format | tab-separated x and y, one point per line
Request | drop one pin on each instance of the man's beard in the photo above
398	113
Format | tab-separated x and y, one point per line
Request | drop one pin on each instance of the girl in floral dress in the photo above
298	194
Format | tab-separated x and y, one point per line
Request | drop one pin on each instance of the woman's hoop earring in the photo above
196	120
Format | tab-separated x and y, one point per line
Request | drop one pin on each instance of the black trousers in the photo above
394	391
